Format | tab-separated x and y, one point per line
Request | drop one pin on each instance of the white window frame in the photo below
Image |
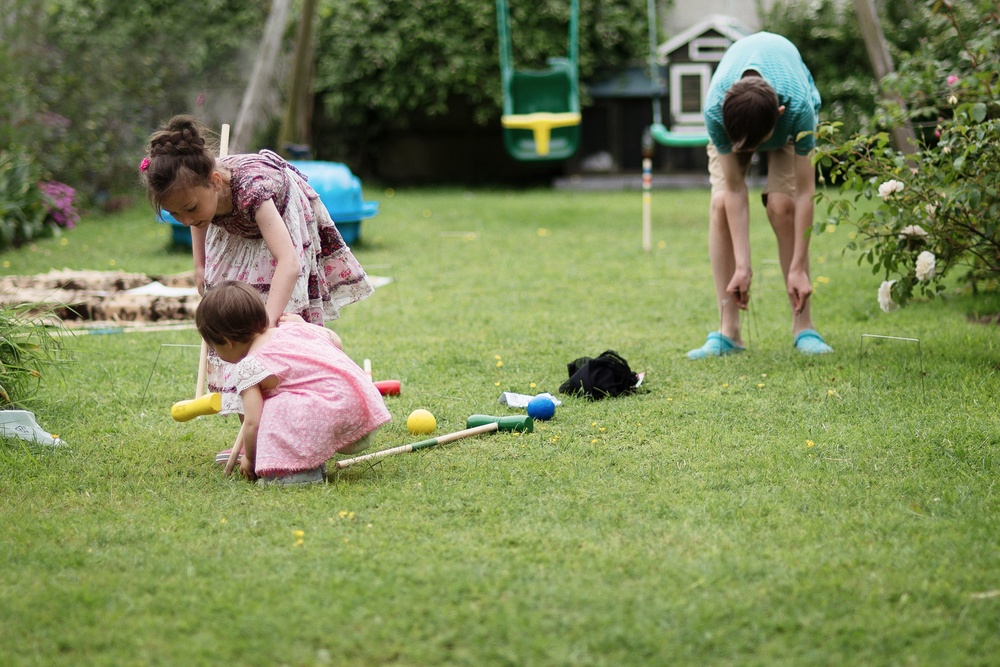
708	49
677	72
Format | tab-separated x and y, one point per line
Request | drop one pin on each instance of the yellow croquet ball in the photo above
421	422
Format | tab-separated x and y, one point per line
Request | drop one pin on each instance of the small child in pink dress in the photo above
304	400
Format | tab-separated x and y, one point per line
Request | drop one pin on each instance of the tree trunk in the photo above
903	137
294	135
251	110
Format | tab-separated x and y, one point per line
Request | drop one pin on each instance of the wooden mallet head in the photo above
209	404
388	387
508	423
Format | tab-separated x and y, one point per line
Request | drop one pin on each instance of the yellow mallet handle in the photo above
209	404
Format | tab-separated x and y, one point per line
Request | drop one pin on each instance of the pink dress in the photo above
323	401
329	275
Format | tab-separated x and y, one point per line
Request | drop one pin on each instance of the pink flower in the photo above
144	165
952	80
59	203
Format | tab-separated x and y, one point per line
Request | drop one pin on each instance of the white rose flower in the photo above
925	266
890	187
931	210
912	232
952	100
885	301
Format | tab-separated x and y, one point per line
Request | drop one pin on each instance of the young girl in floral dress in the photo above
255	219
304	400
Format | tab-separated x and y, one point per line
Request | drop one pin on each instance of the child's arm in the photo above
253	406
279	242
198	252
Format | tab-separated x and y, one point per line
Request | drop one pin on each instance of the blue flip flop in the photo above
808	341
716	345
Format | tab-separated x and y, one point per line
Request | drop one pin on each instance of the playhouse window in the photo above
688	88
708	49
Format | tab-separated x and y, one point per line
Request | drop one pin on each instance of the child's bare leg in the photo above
720	252
781	213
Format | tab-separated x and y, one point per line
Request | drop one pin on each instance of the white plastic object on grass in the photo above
21	424
515	400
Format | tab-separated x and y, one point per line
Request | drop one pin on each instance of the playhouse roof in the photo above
726	26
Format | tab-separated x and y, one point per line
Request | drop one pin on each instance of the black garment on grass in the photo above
607	375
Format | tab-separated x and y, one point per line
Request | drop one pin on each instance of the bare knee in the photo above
780	211
717	207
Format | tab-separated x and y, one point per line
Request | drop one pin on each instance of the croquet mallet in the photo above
475	425
202	404
209	404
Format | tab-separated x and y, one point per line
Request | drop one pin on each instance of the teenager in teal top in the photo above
778	62
761	98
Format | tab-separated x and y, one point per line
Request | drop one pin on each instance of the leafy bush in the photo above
939	207
83	82
22	207
30	207
28	351
827	34
391	65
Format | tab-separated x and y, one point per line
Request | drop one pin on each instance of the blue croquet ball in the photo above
541	408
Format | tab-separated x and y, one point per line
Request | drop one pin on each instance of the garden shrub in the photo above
83	82
939	207
827	35
28	351
384	66
31	208
22	207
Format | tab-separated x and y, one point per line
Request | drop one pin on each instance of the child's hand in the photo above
799	289
246	468
291	317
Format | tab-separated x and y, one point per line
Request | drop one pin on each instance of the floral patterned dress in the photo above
329	275
322	404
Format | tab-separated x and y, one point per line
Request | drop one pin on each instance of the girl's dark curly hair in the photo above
179	156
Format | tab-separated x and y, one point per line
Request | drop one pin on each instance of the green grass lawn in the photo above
760	509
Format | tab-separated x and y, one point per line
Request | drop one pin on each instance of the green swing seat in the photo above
541	108
666	137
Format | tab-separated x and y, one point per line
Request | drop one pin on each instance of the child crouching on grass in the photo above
304	399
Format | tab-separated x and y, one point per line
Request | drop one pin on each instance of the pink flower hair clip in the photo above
144	165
